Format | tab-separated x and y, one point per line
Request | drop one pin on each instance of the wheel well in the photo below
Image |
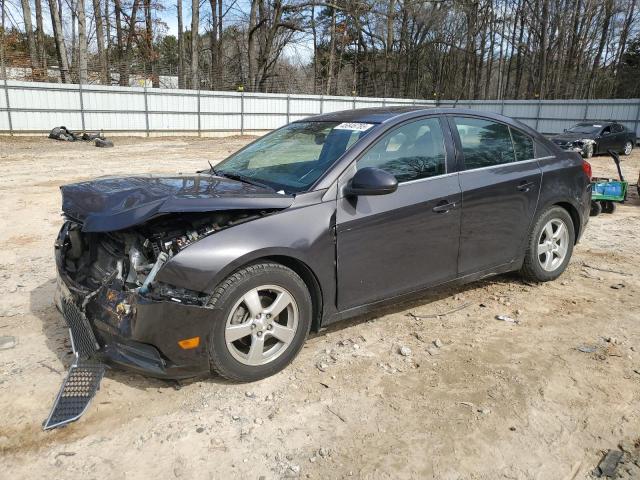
575	217
310	280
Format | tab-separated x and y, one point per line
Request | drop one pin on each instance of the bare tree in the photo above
82	43
195	44
102	50
61	48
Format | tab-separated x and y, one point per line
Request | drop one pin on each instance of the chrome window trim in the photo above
509	163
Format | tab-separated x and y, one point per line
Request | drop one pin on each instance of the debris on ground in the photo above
609	464
405	351
64	134
7	342
587	348
506	318
437	315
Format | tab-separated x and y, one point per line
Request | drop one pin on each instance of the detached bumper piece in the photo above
80	386
85	373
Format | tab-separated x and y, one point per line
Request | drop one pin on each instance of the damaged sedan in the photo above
593	138
227	270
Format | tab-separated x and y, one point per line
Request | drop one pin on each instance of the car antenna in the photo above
211	167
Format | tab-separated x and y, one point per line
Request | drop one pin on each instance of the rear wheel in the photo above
266	316
550	246
628	147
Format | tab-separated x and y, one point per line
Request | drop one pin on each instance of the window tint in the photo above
606	130
618	128
484	143
410	152
523	145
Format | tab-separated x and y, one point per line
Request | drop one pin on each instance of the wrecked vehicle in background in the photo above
227	270
592	138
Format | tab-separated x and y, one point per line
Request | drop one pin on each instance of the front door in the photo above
500	185
397	243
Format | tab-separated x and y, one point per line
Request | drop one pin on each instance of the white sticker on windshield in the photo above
597	126
359	127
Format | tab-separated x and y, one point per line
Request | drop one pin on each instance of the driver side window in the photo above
412	151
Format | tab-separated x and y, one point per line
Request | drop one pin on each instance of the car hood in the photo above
572	137
115	203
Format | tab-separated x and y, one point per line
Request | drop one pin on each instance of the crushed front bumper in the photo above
137	333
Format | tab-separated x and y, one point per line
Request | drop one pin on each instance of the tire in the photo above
628	148
588	151
596	208
608	207
535	266
103	143
261	283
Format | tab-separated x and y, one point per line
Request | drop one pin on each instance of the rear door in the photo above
396	243
500	185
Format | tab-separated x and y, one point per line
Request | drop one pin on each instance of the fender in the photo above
205	264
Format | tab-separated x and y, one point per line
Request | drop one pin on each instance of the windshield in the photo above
585	128
292	158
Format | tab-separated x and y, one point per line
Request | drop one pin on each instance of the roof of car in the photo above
382	114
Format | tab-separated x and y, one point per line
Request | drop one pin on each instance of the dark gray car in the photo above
592	138
228	269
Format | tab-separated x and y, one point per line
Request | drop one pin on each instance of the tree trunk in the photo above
82	43
102	54
42	55
252	48
61	49
332	50
181	53
213	40
195	53
150	53
31	40
608	14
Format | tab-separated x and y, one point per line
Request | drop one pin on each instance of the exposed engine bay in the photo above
130	259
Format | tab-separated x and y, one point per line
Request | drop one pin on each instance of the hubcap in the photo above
627	148
261	325
553	244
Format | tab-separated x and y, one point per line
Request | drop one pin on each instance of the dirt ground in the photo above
493	400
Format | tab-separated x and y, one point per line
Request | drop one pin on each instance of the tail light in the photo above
586	168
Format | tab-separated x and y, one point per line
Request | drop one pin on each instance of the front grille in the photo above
82	336
80	386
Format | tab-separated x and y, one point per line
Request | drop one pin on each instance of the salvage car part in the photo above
85	373
227	270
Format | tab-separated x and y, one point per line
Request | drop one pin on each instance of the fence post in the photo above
81	106
502	107
6	96
242	113
586	109
636	124
538	113
353	104
199	125
288	108
146	112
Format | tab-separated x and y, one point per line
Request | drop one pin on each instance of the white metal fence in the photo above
27	107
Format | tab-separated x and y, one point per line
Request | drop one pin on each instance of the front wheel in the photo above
266	316
587	151
550	246
628	147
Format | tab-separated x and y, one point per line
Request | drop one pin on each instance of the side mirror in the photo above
372	181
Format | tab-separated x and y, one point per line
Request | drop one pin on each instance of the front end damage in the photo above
584	146
116	311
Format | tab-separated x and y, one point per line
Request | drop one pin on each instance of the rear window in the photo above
485	143
523	145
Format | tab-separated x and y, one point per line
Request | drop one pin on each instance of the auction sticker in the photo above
359	127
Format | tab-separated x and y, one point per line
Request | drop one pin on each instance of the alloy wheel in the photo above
627	148
553	244
261	325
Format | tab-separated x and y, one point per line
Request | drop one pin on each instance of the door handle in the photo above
444	207
525	186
